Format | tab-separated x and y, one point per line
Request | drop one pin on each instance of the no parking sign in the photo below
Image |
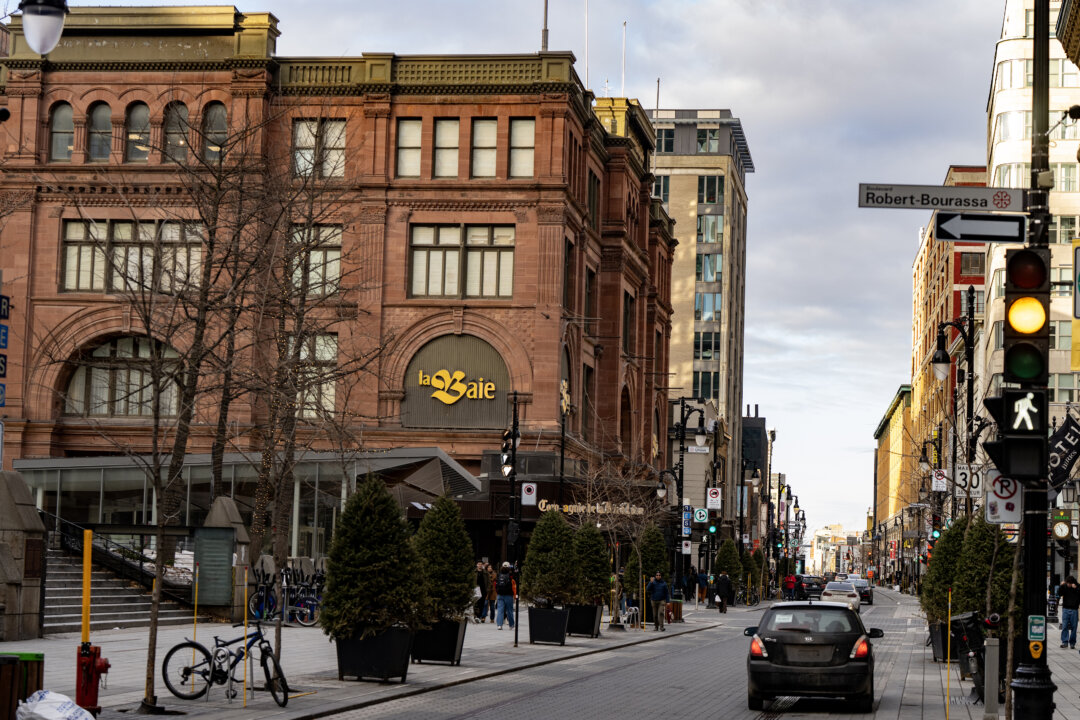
712	499
528	493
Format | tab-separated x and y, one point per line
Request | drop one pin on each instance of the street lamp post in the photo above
941	361
742	501
685	413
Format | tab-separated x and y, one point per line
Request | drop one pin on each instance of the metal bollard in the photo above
991	666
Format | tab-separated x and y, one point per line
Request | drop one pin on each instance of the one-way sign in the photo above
974	227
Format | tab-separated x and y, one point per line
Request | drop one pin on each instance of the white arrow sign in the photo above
951	227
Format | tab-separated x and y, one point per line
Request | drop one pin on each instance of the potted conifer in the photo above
372	601
593	582
647	555
547	580
446	566
940	577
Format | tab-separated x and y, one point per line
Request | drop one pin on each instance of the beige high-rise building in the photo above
701	163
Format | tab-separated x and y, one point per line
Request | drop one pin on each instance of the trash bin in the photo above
9	682
676	609
31	673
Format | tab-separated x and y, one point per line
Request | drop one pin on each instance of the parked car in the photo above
841	577
842	592
862	586
812	586
819	649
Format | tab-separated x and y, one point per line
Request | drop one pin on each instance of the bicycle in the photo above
262	603
189	669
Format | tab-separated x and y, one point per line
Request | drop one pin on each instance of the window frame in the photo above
321	151
118	370
214	136
136	137
176	129
441	152
489	153
463	252
95	134
518	149
407	156
59	133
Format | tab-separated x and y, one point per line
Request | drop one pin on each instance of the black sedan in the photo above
812	649
812	587
866	593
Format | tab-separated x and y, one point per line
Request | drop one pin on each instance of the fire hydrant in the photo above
91	666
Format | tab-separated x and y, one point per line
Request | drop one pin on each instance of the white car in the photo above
842	592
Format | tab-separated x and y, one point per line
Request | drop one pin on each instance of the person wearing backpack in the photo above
506	591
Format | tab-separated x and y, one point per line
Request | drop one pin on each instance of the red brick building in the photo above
493	218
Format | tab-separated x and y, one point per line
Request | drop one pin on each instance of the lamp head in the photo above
43	22
941	361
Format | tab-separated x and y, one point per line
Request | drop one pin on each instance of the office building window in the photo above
980	301
999	335
707	306
972	263
447	135
998	283
408	148
1063	387
1061	281
436	267
316	376
1066	128
1063	229
662	187
665	140
115	380
707	385
484	137
522	145
710	228
99	132
706	345
1013	125
317	268
176	132
1061	334
708	140
1063	74
594	201
137	133
591	301
708	267
319	148
61	133
710	190
1013	175
1064	177
215	132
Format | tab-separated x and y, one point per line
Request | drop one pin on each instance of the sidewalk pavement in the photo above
309	662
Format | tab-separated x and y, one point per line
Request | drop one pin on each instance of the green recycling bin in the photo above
31	673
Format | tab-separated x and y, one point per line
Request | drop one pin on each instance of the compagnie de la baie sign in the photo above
600	508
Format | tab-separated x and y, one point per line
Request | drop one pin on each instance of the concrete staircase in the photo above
114	602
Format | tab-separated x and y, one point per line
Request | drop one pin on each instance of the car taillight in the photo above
852	595
757	648
861	650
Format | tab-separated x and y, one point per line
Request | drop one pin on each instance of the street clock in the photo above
1062	531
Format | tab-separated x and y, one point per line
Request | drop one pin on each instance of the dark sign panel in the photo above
214	556
456	381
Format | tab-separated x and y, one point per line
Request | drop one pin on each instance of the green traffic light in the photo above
936	533
1024	361
712	528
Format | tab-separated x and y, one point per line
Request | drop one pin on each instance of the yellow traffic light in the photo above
1027	315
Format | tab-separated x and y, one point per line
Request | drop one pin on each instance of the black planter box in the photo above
584	620
442	642
548	625
379	657
938	639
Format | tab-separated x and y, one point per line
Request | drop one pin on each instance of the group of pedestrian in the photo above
1069	597
495	593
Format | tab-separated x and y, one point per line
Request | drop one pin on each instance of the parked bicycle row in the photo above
295	590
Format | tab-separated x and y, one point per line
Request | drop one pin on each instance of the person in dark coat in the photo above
723	590
1069	595
657	591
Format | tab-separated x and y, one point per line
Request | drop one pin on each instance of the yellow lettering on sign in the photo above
489	391
451	387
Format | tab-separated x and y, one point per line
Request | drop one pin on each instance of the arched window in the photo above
115	380
100	132
176	132
137	133
61	133
215	132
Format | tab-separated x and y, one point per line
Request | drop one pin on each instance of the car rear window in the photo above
810	619
860	583
840	587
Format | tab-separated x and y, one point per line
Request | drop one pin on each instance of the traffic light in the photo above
930	543
507	454
1027	316
1021	452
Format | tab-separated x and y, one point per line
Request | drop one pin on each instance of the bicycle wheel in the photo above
754	599
306	611
187	670
256	604
275	679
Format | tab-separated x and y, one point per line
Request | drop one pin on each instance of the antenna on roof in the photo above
586	44
622	84
544	33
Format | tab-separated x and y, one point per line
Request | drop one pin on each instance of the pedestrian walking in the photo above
723	590
702	586
657	591
483	581
621	589
691	584
490	594
789	586
505	591
1069	594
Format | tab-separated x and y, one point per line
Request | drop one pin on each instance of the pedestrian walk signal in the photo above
1021	415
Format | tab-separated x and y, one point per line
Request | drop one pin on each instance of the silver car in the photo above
842	592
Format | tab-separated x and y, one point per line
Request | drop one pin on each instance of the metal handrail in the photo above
126	562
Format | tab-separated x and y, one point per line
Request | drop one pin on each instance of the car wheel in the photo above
865	703
754	702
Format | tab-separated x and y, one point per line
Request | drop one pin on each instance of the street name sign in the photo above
978	227
937	197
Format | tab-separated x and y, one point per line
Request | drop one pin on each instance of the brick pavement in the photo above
909	685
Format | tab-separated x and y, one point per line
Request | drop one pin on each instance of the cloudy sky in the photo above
831	93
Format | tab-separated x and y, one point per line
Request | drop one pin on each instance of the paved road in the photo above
696	667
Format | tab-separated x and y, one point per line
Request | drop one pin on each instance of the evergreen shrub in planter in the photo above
446	566
372	601
592	584
548	578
